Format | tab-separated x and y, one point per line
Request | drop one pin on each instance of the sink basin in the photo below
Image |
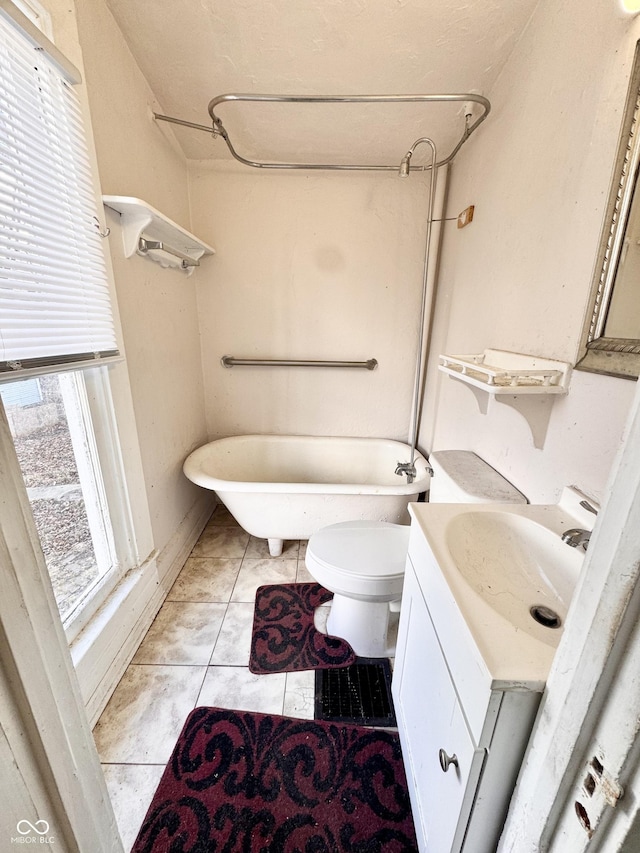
518	566
485	566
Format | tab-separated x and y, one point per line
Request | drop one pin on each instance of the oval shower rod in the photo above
218	129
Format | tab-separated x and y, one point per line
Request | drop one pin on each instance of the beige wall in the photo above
518	278
329	266
158	307
313	266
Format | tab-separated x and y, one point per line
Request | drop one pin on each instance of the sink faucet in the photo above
576	536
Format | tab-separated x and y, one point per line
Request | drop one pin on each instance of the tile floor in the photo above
197	653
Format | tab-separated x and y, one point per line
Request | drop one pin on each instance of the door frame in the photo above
583	682
59	774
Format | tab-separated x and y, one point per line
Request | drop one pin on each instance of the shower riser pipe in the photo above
435	210
430	284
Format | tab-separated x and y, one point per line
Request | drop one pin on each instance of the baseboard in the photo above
175	553
128	613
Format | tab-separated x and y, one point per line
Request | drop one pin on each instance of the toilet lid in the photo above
377	549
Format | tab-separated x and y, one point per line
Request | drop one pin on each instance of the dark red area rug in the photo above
239	782
284	638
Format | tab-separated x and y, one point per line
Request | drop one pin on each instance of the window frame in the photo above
55	294
106	396
100	423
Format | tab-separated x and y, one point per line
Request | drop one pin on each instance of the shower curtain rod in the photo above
218	129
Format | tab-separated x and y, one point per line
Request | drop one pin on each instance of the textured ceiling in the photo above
193	50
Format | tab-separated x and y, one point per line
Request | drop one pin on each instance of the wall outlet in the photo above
599	790
466	216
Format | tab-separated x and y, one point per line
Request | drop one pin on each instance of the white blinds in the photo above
54	296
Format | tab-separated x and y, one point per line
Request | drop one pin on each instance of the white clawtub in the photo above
281	487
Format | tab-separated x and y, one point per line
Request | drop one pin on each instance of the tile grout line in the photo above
226	611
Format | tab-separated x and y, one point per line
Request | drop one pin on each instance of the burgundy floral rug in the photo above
239	782
284	638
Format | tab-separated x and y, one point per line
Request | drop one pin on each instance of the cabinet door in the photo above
430	720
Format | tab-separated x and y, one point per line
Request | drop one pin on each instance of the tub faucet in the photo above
407	468
577	537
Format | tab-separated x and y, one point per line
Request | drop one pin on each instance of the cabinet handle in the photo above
447	760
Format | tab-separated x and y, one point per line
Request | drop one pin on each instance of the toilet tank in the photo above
460	476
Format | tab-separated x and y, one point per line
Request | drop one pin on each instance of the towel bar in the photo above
231	361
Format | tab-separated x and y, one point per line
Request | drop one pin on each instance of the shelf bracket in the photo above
535	410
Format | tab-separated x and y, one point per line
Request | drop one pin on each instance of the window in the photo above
56	324
54	442
55	305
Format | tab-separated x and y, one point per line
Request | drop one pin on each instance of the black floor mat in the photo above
360	693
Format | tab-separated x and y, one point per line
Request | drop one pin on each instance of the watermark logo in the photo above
41	827
33	833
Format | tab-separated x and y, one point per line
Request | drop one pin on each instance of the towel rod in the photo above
231	361
145	246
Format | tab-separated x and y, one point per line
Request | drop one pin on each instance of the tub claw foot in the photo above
275	547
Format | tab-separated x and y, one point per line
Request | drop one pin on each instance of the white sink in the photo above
520	567
487	565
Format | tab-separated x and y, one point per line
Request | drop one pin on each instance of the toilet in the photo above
362	562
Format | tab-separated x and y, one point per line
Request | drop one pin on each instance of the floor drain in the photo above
360	693
545	616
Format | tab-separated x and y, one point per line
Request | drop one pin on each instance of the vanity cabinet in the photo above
463	732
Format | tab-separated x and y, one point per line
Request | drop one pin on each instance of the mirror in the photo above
611	340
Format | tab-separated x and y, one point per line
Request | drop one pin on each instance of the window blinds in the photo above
55	307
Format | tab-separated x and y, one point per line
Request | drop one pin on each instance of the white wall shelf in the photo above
502	372
147	232
526	383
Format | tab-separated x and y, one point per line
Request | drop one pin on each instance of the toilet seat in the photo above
362	563
364	560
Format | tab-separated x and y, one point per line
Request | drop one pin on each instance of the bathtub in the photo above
281	487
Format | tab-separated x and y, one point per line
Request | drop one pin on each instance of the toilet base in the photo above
363	624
